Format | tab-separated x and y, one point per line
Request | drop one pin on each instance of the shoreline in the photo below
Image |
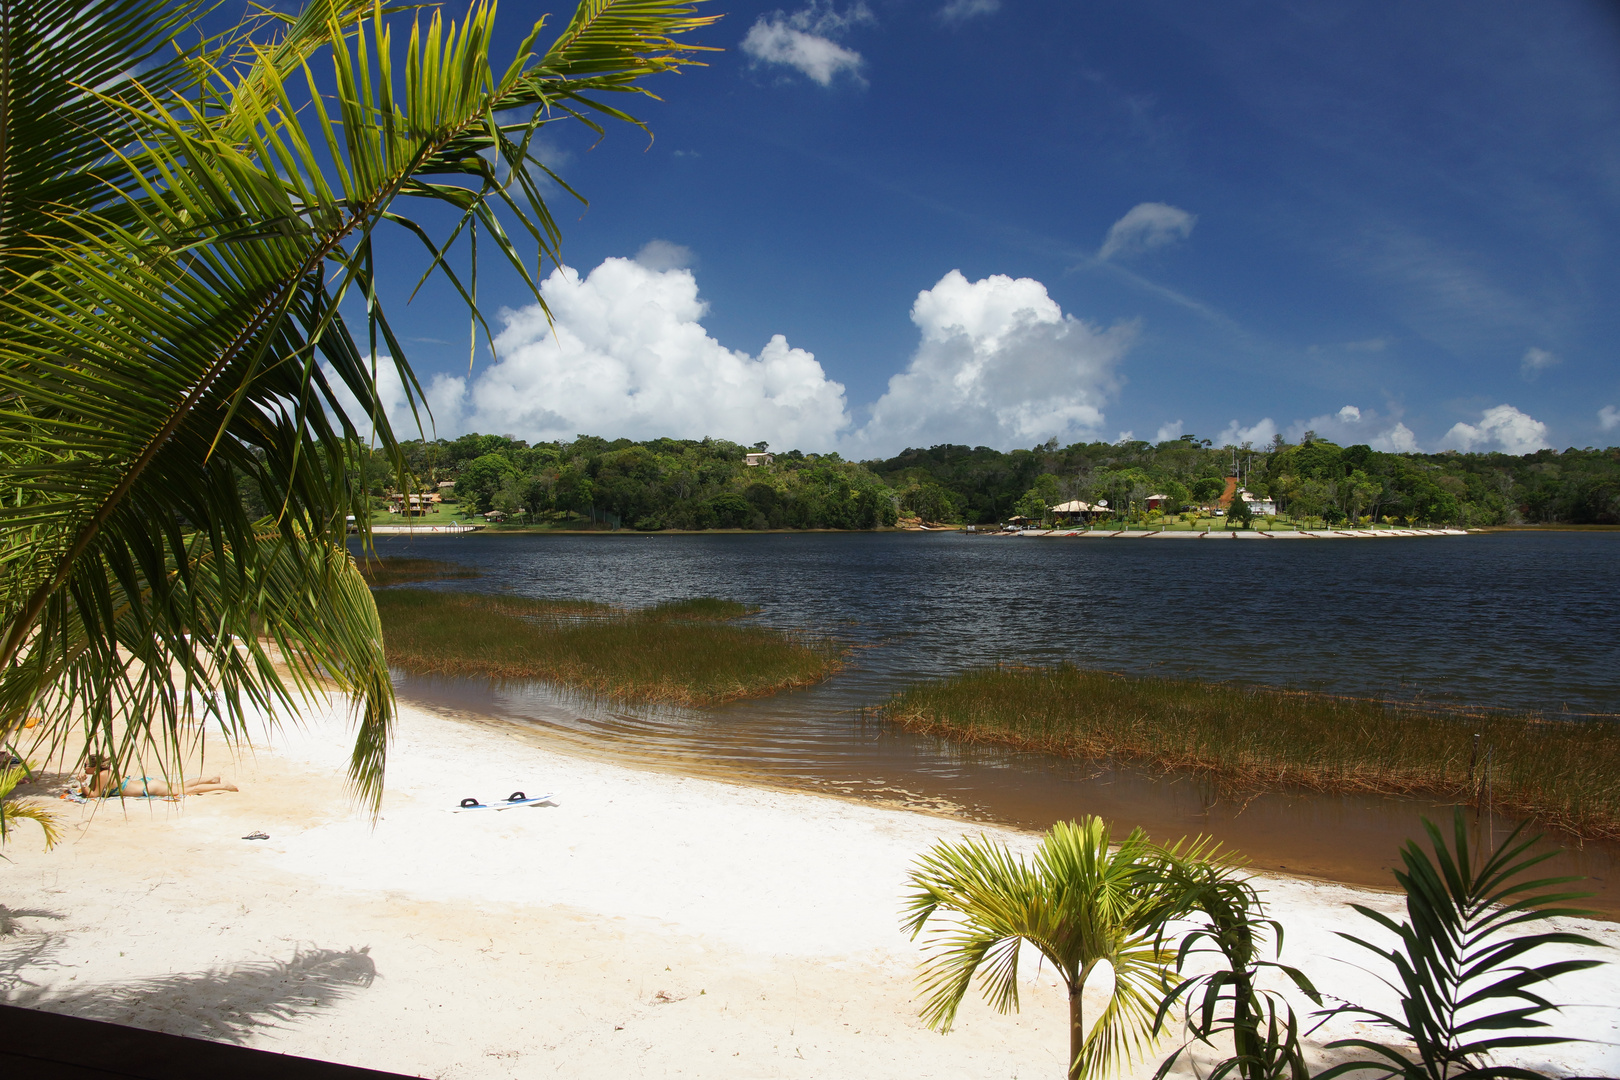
645	922
1393	532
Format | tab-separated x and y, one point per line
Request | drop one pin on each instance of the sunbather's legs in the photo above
136	787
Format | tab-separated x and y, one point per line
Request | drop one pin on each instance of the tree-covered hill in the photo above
697	484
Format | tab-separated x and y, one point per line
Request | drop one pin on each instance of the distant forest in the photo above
700	484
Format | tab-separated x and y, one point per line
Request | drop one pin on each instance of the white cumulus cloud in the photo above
1609	417
1535	362
1169	432
1146	226
659	255
1397	440
804	41
1501	427
627	356
998	364
1353	424
1259	434
963	10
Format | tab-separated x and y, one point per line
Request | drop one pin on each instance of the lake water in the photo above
1524	621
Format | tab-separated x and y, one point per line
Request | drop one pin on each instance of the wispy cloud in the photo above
1609	417
958	11
804	41
1147	226
1169	432
1535	362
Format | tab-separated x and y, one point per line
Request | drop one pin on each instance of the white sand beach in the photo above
640	925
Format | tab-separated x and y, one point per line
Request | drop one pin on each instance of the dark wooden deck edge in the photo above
35	1043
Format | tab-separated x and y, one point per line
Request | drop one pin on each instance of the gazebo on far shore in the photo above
1077	511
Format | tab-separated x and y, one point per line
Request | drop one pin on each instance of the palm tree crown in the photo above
1078	902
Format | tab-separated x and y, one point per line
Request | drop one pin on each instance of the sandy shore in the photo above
639	925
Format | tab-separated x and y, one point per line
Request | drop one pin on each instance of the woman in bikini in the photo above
97	780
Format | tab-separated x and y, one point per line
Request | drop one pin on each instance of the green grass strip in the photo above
1565	773
401	570
686	652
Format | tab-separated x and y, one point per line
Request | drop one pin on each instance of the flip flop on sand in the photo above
517	798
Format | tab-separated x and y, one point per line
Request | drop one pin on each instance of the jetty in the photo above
1222	534
420	530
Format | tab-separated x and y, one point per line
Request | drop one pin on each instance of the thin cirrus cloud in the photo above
1501	427
804	41
1144	227
959	11
625	354
1535	362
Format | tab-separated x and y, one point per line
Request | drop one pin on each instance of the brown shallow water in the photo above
810	740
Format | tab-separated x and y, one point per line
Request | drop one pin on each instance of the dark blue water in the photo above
1519	621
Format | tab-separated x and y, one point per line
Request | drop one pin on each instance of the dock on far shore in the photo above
1222	534
416	530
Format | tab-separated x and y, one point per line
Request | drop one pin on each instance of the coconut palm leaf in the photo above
1463	985
52	130
1079	903
172	336
12	811
1202	884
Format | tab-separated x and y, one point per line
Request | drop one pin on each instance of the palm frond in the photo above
172	334
12	811
1453	961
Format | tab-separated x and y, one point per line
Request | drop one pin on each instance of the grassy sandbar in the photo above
689	652
1565	773
402	570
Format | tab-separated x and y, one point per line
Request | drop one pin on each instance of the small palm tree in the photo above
1229	921
1466	989
12	811
1077	902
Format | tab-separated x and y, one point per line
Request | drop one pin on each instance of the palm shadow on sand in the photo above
223	1004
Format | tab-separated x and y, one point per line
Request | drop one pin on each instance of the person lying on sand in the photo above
97	781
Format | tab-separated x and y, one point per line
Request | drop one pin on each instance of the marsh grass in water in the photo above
400	570
1563	772
687	652
700	608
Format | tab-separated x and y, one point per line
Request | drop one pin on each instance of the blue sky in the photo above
1396	224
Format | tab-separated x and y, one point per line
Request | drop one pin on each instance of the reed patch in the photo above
1563	772
387	570
688	652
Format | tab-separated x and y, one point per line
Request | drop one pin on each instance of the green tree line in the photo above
708	483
